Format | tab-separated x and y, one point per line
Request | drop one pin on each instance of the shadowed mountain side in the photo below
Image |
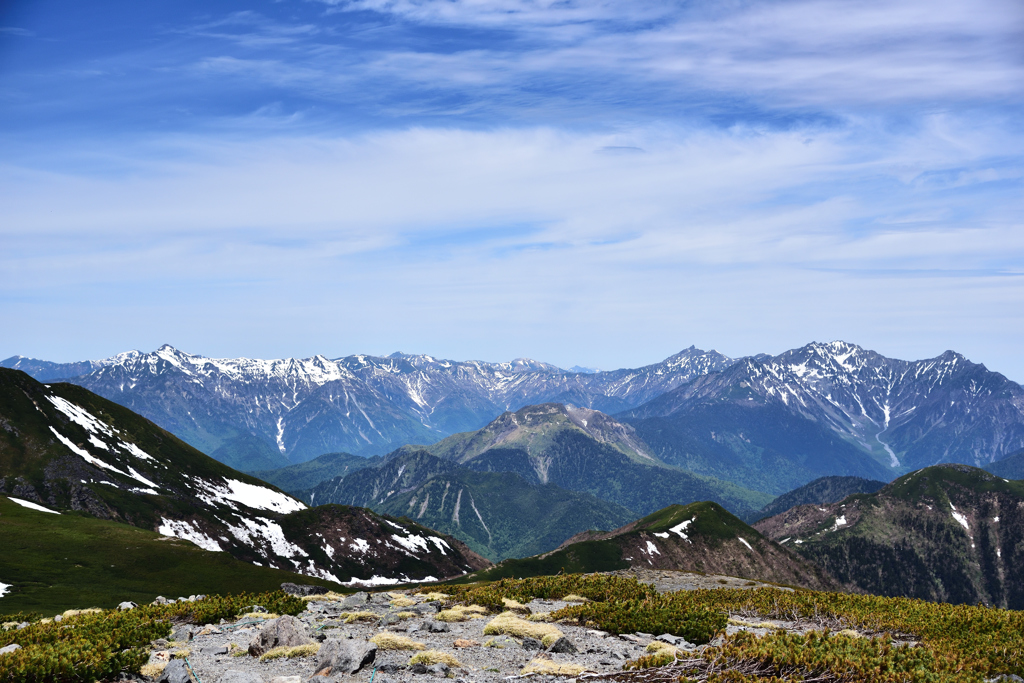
950	533
766	447
1010	467
497	514
819	492
699	537
306	475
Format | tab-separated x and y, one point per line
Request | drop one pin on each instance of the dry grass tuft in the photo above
259	615
429	657
546	667
351	617
572	597
507	623
462	613
291	652
392	641
540	616
515	606
434	595
403	601
181	654
406	615
329	596
76	612
659	646
153	670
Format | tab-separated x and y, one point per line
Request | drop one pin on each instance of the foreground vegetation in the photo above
98	645
852	638
832	637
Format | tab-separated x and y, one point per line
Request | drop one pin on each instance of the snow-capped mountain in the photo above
261	414
66	448
906	414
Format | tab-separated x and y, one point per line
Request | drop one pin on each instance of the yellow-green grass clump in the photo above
572	597
515	606
546	667
462	613
509	624
329	596
432	596
181	654
406	615
267	616
291	652
392	641
352	617
153	670
403	601
429	657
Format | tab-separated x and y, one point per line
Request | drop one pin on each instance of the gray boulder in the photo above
286	631
175	672
439	669
182	634
296	589
126	605
356	600
9	649
436	626
345	656
235	676
563	646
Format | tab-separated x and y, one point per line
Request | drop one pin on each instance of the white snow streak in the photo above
744	542
652	549
182	529
680	529
31	506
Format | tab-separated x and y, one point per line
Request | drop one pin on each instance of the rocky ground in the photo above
339	648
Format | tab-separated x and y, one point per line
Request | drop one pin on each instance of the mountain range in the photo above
71	451
769	423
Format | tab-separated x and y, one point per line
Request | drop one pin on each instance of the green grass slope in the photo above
57	562
950	533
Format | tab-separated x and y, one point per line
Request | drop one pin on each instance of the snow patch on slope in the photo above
185	530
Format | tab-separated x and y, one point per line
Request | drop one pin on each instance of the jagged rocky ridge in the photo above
820	410
294	410
833	409
63	447
951	533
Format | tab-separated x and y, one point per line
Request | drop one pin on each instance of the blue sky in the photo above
598	183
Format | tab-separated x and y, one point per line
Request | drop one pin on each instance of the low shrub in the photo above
654	615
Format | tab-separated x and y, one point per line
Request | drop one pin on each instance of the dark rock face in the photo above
562	646
286	631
